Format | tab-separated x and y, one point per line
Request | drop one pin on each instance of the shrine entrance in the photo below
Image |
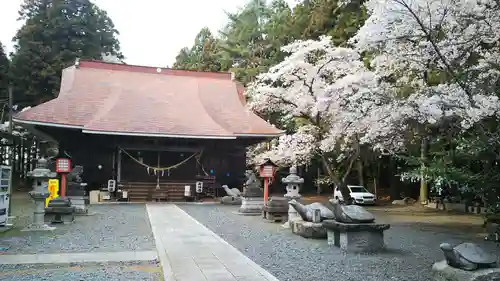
157	175
158	166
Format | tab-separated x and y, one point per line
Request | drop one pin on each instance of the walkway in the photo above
189	251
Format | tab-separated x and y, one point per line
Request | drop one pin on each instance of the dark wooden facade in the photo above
106	157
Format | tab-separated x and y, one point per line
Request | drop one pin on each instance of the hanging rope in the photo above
198	157
158	168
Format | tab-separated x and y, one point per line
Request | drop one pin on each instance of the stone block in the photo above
443	272
273	215
356	237
308	229
251	205
59	218
80	204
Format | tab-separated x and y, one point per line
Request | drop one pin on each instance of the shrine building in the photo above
153	130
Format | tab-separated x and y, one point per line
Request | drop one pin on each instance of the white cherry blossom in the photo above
341	104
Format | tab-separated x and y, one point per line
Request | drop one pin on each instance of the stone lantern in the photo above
292	182
41	175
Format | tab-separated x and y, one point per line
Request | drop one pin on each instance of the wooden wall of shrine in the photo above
224	159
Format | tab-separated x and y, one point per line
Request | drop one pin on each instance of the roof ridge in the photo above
96	64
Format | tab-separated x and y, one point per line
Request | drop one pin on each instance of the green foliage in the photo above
202	56
4	70
251	42
55	33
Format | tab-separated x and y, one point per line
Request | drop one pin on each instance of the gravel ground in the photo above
411	250
77	272
113	228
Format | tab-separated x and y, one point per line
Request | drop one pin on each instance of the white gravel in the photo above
123	227
410	255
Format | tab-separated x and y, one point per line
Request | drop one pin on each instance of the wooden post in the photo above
119	166
63	184
11	157
266	190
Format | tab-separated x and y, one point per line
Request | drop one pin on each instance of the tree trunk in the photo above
361	180
341	183
318	187
424	197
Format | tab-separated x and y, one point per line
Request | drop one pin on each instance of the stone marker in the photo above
316	216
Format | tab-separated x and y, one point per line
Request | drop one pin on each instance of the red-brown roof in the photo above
106	98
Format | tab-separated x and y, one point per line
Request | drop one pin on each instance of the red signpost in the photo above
267	170
63	167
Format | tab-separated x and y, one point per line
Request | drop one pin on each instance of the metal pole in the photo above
11	155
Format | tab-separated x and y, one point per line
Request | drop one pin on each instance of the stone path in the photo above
188	251
63	258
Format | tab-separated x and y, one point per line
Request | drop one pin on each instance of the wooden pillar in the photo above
119	166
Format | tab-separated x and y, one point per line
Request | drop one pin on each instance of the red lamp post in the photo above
63	167
267	170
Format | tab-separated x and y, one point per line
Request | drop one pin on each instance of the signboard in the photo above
267	171
63	165
53	190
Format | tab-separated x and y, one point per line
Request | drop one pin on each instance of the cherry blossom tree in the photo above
343	103
441	55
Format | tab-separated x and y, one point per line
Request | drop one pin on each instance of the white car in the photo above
358	193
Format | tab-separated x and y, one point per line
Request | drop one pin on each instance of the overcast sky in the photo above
151	31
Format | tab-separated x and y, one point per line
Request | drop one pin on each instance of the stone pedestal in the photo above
60	210
276	209
356	237
308	229
80	204
443	272
292	213
251	206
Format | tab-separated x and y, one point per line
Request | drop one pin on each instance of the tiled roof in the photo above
119	99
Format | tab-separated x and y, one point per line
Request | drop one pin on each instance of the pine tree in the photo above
55	33
203	55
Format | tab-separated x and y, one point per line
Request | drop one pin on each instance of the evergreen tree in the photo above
55	33
4	70
203	55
